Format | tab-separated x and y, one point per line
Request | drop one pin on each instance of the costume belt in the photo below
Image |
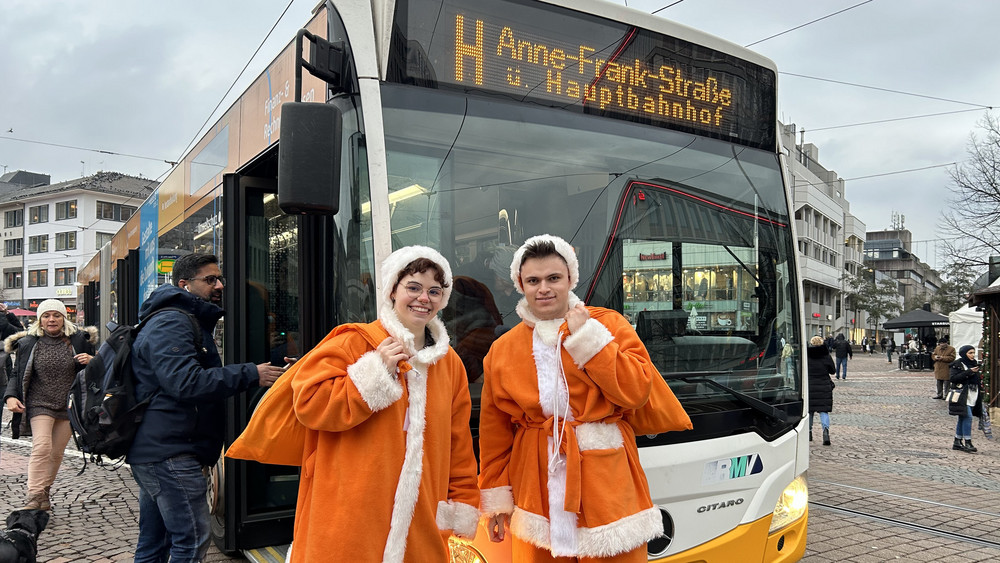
568	447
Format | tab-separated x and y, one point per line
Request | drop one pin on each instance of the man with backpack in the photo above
181	432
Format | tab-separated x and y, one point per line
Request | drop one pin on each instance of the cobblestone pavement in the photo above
888	434
95	516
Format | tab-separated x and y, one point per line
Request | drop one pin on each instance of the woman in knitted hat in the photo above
565	393
965	380
388	469
49	354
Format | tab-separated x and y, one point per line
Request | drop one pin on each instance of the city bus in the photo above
469	126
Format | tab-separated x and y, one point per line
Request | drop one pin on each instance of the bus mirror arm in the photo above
326	62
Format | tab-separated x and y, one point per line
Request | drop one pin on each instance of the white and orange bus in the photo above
468	126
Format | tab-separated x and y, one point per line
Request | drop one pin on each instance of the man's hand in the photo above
268	374
577	317
495	527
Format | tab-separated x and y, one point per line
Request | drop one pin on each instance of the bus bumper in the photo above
750	542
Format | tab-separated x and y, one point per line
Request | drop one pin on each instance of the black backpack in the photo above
104	412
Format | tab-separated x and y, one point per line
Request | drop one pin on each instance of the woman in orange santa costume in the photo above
566	392
377	415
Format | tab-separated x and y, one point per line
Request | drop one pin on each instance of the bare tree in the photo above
974	205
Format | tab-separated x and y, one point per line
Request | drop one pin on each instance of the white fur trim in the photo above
458	517
400	258
408	487
562	247
498	500
524	311
599	436
377	386
586	342
603	541
429	355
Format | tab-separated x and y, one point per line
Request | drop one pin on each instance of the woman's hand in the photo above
83	358
13	405
392	352
495	527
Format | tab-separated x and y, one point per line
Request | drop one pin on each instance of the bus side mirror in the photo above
309	154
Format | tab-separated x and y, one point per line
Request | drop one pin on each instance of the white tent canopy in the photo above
966	325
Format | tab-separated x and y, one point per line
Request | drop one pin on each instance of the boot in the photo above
34	502
43	502
810	434
826	436
969	447
958	445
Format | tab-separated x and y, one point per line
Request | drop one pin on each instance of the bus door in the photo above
253	504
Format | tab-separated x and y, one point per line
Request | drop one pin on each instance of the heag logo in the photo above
732	468
721	504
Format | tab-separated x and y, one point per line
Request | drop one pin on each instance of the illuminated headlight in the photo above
792	504
464	552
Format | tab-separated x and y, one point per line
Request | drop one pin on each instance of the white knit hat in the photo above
562	247
51	305
401	258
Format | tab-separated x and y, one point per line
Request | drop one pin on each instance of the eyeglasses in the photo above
210	280
415	290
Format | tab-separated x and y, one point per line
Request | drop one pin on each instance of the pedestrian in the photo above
882	343
9	325
48	356
820	369
965	381
842	351
381	412
891	349
829	341
565	393
181	433
944	355
788	360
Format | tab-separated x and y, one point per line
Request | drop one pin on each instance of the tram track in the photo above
906	510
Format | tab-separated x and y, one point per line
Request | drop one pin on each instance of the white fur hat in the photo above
401	258
562	247
51	305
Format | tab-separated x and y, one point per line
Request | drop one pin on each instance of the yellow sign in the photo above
165	265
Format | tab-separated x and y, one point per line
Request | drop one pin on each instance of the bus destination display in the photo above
543	54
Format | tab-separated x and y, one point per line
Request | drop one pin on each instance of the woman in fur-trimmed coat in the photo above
49	354
565	393
381	412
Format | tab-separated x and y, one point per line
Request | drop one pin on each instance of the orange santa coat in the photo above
589	499
388	469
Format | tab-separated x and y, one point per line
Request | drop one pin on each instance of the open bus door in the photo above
277	267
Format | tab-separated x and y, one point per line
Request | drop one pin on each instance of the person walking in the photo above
48	356
965	379
842	351
890	349
820	368
380	413
565	393
181	433
943	356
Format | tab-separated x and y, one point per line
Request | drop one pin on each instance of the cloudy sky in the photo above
141	78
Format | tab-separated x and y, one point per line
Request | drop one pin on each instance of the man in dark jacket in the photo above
842	350
182	431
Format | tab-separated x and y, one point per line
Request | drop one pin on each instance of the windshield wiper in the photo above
755	404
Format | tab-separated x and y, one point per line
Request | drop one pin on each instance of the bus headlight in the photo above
792	504
464	552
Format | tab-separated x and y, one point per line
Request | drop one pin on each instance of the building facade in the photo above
52	230
830	240
889	252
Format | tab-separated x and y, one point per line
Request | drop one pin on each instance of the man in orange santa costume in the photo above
565	393
377	415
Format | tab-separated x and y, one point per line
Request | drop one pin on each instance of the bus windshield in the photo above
685	235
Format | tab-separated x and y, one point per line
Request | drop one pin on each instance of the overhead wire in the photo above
808	23
238	76
100	151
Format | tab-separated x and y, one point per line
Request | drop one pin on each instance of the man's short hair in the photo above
187	266
539	249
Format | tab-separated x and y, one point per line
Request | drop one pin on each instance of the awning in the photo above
918	318
21	312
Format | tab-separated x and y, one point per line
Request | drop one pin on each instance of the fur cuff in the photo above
498	500
377	386
585	343
458	517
